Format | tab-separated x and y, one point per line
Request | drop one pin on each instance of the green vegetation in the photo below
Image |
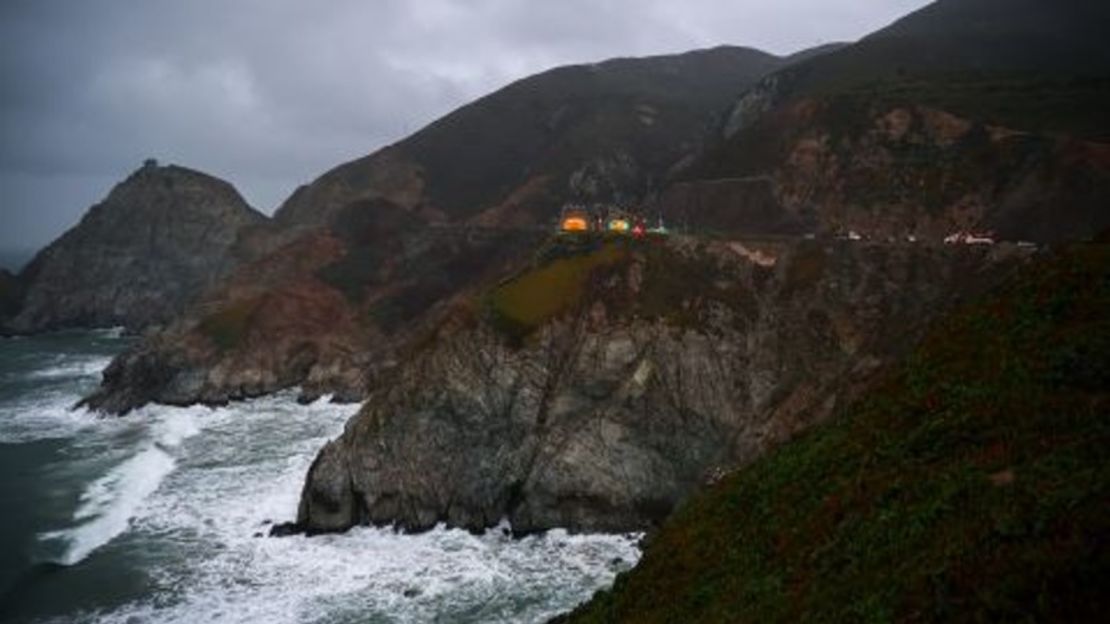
969	485
527	301
678	288
228	327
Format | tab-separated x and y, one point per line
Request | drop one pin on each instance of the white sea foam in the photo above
111	333
69	366
245	471
47	416
378	575
109	503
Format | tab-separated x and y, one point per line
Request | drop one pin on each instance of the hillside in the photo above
973	115
138	257
844	163
970	485
1034	65
361	260
601	132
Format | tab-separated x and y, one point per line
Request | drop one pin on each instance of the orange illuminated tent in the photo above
574	220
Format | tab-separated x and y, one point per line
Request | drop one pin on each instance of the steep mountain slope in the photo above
1035	65
971	485
605	131
951	119
356	245
140	256
607	381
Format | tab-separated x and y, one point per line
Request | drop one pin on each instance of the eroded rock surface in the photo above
136	259
673	363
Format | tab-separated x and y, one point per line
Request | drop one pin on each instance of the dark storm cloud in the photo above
270	93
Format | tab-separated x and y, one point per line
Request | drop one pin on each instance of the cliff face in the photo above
969	485
139	257
602	386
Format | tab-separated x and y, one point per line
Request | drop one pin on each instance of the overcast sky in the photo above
268	94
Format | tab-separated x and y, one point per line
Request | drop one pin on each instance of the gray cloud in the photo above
270	93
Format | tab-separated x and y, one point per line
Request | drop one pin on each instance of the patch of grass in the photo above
228	327
522	304
970	485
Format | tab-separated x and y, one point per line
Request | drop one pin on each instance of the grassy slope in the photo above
971	485
572	271
522	304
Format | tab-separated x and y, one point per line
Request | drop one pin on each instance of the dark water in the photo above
155	517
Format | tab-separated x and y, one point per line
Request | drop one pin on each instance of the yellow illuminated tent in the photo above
619	224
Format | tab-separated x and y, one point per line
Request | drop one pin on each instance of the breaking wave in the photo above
48	416
109	503
73	367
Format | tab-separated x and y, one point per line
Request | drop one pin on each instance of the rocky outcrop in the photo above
646	375
328	312
140	256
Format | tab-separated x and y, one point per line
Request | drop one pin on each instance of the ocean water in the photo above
160	517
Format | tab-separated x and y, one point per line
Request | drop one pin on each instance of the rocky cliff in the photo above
140	256
601	386
969	485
